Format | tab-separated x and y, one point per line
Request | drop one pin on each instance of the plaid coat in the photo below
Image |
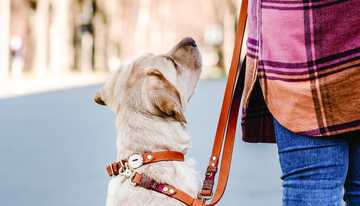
302	67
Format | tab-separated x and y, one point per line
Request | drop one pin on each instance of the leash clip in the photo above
204	198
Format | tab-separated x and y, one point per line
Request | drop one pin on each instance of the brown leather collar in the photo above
136	178
137	160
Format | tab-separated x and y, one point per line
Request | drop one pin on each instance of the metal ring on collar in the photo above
132	178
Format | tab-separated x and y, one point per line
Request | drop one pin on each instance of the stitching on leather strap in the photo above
208	184
212	169
145	182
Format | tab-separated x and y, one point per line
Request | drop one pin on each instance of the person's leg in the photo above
352	183
314	168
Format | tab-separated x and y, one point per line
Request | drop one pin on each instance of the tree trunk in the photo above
60	38
229	35
100	39
4	42
142	26
41	34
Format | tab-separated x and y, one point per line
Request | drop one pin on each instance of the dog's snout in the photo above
189	40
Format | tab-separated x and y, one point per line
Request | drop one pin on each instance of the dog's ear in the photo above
164	96
98	99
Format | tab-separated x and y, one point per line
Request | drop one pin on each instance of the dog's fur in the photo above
149	97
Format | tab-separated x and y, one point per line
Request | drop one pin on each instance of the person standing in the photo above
302	91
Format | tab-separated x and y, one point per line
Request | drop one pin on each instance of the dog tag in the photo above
135	161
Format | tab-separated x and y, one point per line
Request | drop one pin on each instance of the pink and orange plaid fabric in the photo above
302	67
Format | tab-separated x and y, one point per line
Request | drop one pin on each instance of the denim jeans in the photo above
316	169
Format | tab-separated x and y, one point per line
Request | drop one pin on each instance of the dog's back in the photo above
149	97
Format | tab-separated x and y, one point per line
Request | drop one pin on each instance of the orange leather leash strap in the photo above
228	119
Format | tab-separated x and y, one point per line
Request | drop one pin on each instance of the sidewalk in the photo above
67	135
45	84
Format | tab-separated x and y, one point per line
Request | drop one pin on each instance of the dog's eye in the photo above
175	65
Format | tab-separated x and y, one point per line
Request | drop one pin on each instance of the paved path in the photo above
54	147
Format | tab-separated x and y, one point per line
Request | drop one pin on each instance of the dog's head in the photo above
160	85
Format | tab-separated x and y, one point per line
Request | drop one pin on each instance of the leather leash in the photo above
228	119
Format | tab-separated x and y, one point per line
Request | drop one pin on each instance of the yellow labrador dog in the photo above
149	97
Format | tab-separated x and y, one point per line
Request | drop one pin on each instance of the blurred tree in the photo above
19	27
225	14
4	42
137	26
88	35
229	22
83	34
61	52
100	36
87	40
142	24
41	37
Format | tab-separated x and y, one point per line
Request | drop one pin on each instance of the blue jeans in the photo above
316	169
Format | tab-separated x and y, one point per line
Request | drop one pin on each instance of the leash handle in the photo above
228	119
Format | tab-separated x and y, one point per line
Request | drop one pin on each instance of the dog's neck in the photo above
139	132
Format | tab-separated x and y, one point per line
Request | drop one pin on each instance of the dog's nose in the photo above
189	40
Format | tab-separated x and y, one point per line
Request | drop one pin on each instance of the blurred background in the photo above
55	145
51	39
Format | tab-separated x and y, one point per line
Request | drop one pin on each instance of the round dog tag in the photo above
135	161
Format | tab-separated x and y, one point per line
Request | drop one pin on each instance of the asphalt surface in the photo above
54	148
